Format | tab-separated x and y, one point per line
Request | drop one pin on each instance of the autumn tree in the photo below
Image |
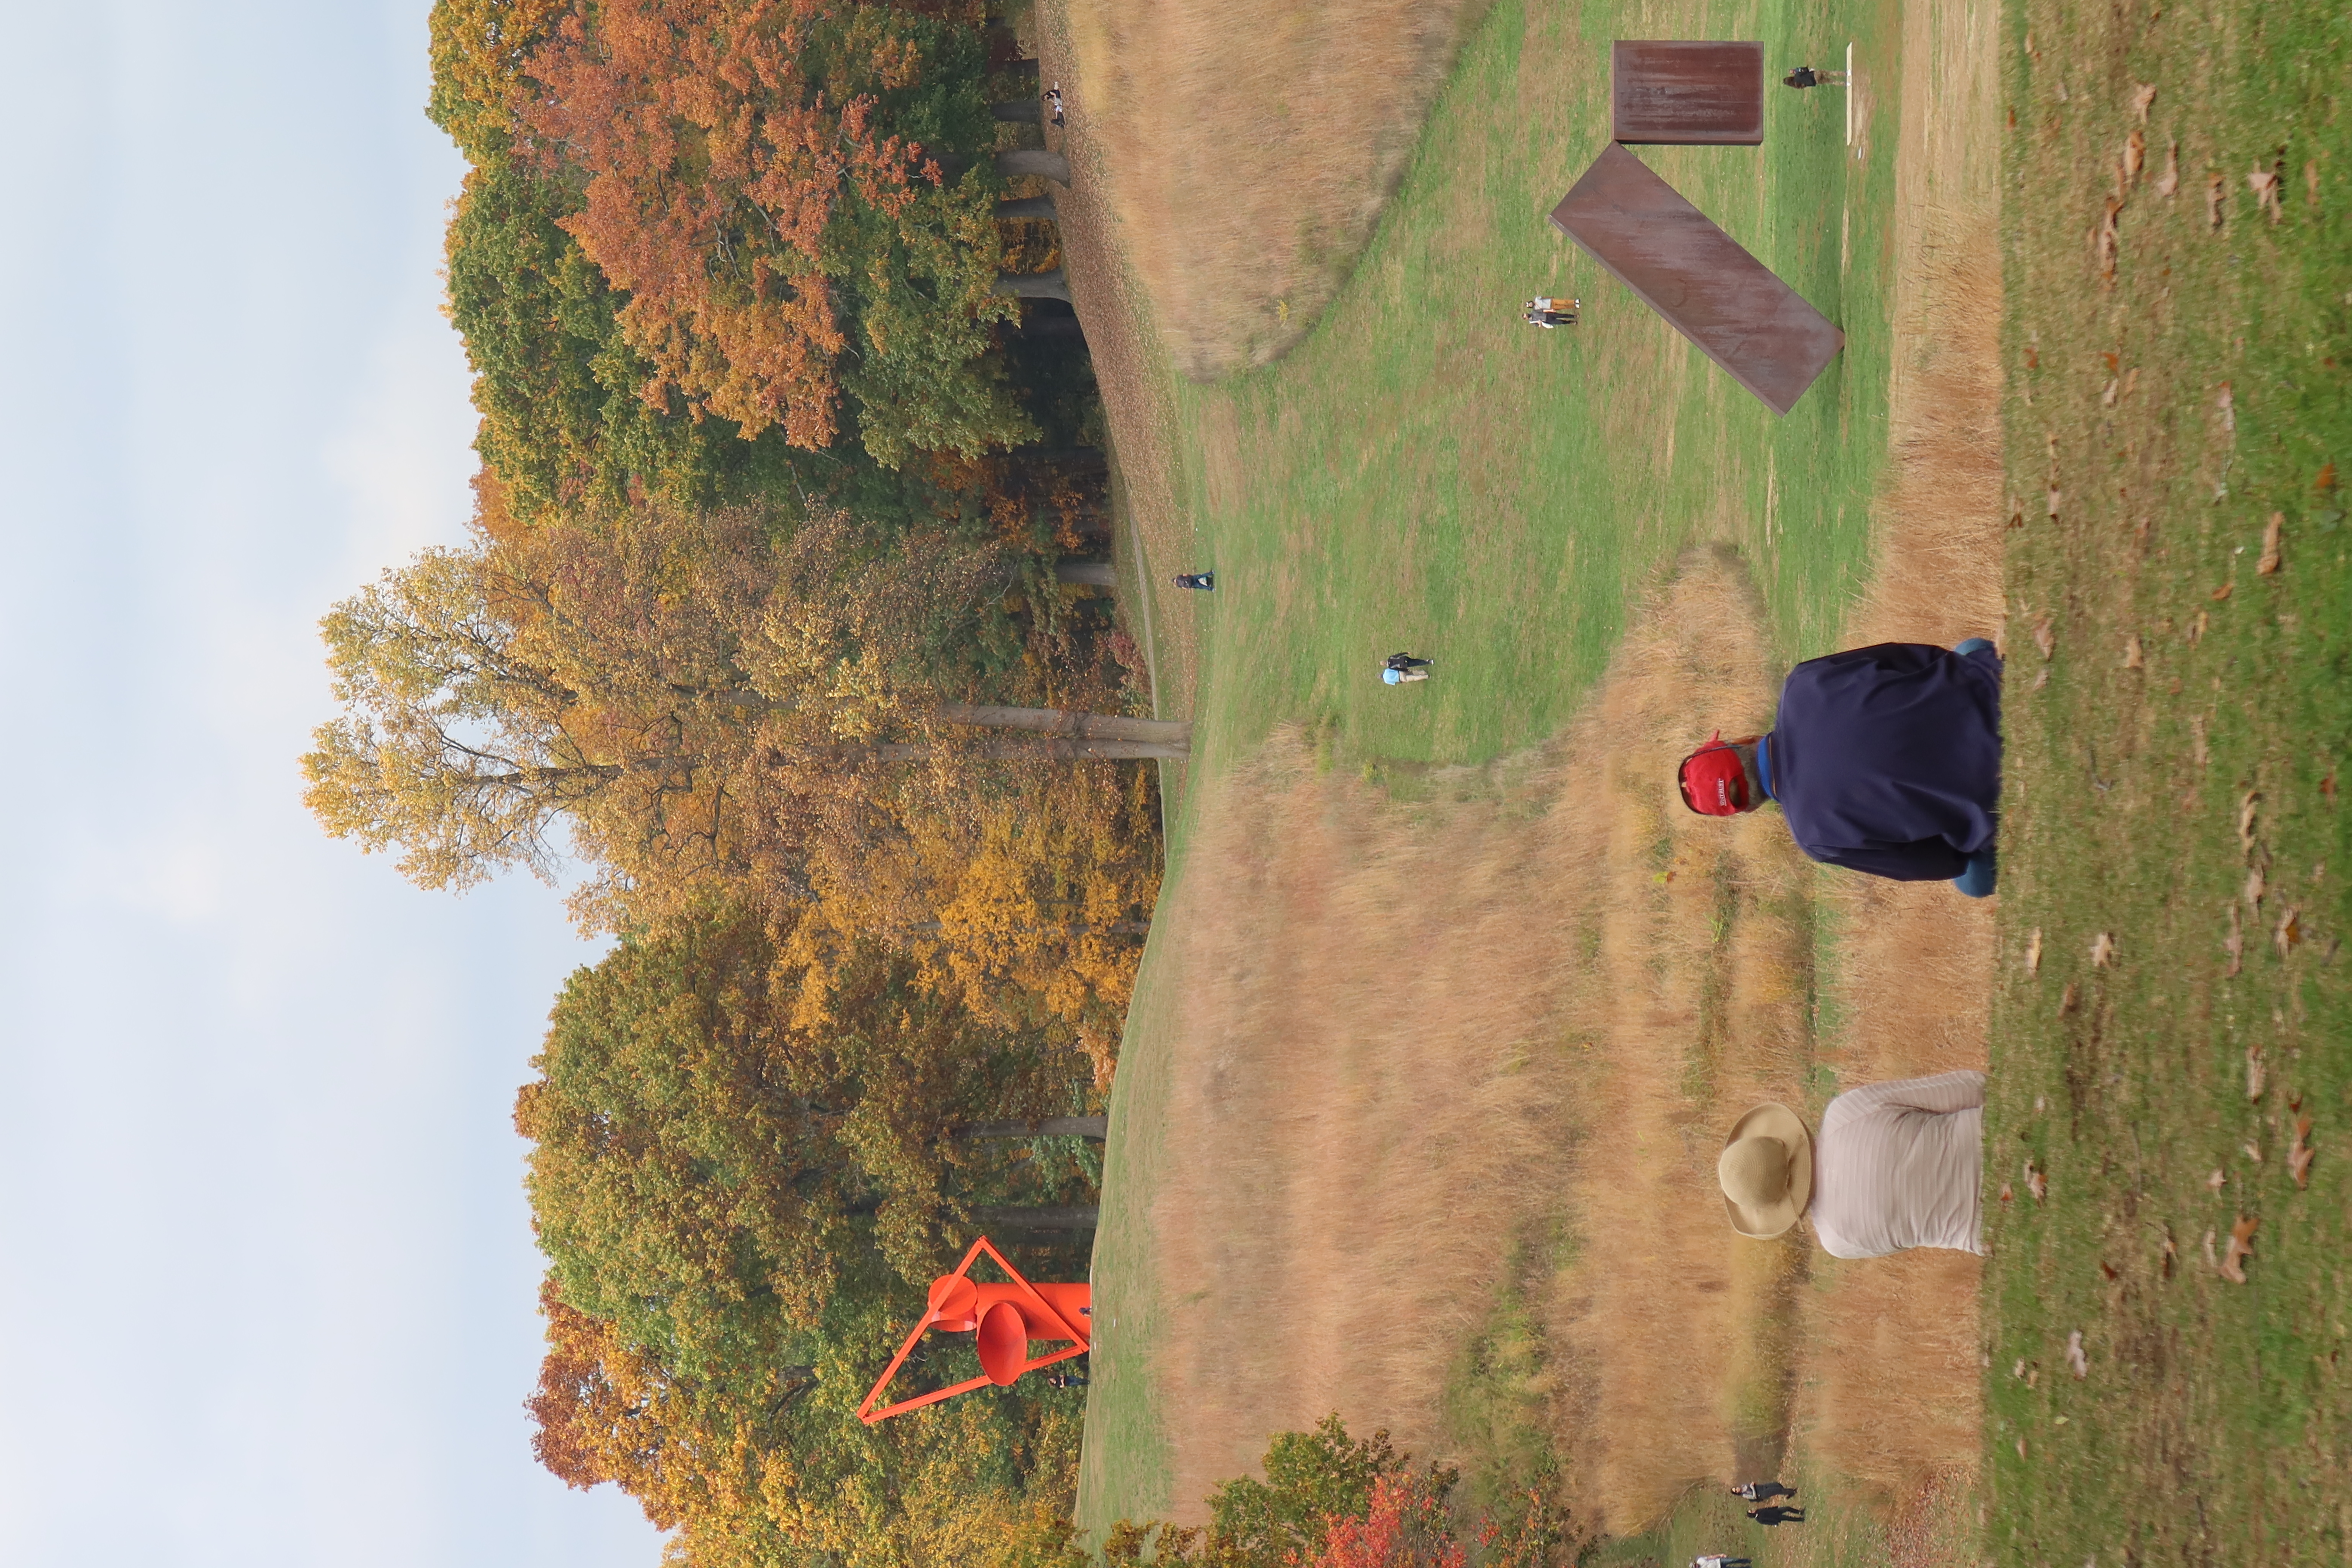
763	179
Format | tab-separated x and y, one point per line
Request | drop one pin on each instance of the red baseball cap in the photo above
1713	782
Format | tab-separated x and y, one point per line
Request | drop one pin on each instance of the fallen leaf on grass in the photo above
2076	1361
2043	637
2257	1072
2252	1152
2234	944
2172	1253
2143	95
2105	240
2264	184
2107	397
2210	1262
2007	1193
2053	500
2108	1271
2255	886
2067	1003
2135	655
2036	1182
2311	181
2242	1245
2250	806
2268	563
2033	951
2326	478
2103	950
2019	1370
2131	380
2298	1157
2289	931
2220	592
2170	180
2214	197
2135	155
2196	633
2216	1181
2225	404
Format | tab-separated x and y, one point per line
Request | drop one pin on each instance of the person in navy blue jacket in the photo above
1885	760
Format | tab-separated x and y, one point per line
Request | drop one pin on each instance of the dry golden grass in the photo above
1254	147
1691	1008
1889	1354
1411	1031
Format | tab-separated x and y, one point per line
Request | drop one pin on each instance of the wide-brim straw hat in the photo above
1766	1171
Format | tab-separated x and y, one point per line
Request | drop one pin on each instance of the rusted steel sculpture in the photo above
1004	1319
1665	91
1698	277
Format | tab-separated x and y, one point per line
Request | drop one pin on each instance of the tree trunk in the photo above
1096	1128
1034	285
1077	459
1052	327
1062	722
1048	746
1029	207
1034	161
1074	1217
1021	110
1089	574
1115	928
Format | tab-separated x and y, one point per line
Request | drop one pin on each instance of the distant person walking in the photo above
1399	668
1804	76
1205	581
1775	1514
1053	102
1763	1491
1545	311
1718	1560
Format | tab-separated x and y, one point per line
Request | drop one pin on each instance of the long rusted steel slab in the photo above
1684	92
1698	277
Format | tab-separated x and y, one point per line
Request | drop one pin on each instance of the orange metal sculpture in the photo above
1004	1319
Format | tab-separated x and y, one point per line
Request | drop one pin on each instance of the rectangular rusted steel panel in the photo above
1669	91
1698	277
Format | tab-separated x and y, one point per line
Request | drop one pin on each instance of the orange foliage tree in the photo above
757	175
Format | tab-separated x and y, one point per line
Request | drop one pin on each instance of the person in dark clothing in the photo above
1775	1514
1546	311
1206	581
1763	1491
1885	760
1053	102
1804	76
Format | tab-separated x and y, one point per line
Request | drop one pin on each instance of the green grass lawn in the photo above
2181	732
1427	472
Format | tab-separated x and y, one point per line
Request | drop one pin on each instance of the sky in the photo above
267	1282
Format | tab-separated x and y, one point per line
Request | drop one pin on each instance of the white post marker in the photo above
1849	95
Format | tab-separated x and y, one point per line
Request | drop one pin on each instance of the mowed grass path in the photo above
2177	880
1427	472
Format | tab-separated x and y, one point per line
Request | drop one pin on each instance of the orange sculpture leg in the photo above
1003	1318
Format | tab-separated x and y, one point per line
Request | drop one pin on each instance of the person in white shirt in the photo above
1897	1165
1718	1560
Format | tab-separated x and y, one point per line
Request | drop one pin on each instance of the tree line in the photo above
774	638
